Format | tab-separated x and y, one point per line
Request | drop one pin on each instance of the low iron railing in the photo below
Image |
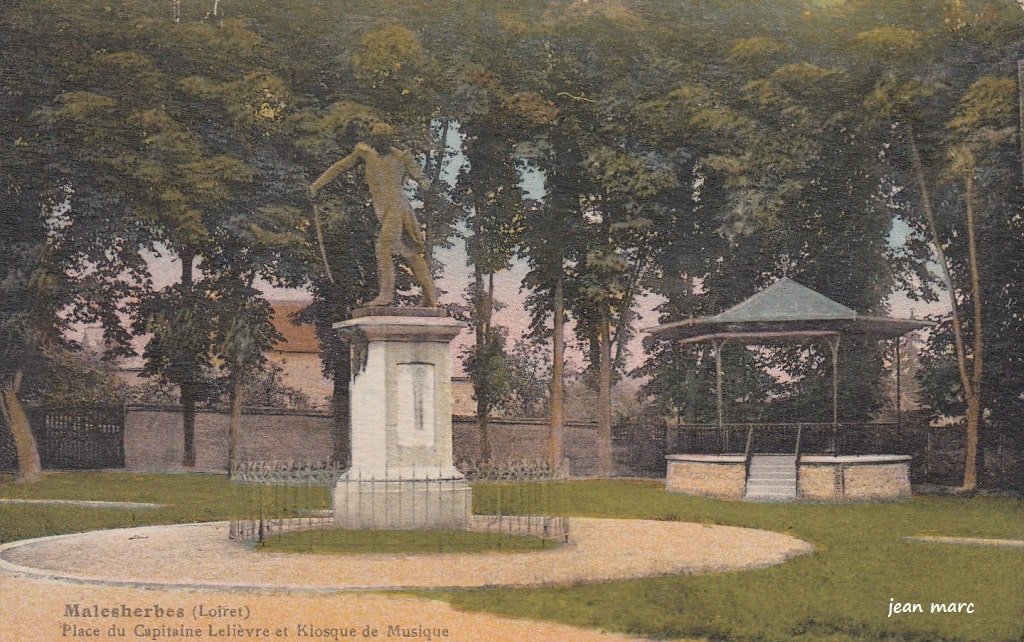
518	497
843	438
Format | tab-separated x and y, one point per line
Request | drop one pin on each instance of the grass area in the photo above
187	498
839	592
337	541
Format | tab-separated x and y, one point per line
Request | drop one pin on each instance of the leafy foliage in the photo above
692	151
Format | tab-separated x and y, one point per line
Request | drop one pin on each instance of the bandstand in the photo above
815	460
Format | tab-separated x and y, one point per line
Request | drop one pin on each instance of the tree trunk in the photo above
188	389
342	411
929	214
484	425
1020	114
433	170
489	301
188	413
690	378
483	398
972	454
234	423
638	272
971	384
29	465
605	463
555	435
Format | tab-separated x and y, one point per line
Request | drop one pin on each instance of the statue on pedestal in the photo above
400	391
386	169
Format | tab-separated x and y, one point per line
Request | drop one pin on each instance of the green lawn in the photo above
188	498
343	541
839	592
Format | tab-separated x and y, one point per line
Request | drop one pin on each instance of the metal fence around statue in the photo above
276	496
520	497
287	506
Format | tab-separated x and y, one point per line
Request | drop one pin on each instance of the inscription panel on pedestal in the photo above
415	404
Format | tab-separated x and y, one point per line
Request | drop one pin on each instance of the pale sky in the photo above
455	275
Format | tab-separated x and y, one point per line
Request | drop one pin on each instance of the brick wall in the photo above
725	478
877	482
526	439
852	480
153	438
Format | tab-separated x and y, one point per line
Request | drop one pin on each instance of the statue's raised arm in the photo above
334	170
386	170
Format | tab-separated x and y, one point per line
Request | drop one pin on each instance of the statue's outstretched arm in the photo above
414	170
332	172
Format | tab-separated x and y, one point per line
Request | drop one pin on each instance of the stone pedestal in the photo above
402	475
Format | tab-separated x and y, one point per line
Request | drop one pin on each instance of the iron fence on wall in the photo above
844	438
639	445
71	437
512	470
80	438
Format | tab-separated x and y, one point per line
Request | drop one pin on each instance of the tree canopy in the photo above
691	151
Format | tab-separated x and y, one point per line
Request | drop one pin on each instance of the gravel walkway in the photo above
200	556
83	503
226	590
35	611
970	541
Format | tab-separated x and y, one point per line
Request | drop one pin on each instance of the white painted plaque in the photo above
415	404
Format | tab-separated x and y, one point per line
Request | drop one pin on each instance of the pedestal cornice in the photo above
394	311
389	327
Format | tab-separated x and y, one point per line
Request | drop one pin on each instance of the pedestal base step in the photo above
402	505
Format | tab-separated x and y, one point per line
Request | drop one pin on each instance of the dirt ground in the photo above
191	582
201	556
40	610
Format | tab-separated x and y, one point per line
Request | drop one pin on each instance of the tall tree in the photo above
945	119
244	334
179	183
59	264
488	191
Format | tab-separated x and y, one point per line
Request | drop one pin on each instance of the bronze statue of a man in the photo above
386	170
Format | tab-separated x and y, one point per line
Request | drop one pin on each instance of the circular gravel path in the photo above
82	503
200	556
969	541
